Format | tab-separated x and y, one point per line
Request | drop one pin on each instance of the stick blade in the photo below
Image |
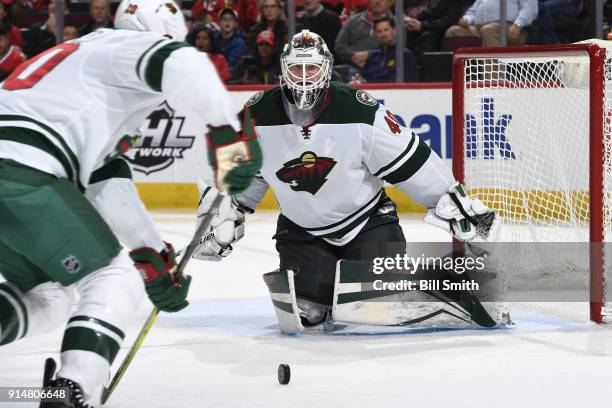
104	395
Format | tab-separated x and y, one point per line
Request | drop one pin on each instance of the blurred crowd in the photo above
244	38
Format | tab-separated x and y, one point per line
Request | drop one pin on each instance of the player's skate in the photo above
75	398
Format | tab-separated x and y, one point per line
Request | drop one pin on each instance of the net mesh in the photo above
526	141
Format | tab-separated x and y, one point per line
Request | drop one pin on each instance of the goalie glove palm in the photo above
234	156
464	217
226	227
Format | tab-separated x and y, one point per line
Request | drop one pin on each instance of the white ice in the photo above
224	349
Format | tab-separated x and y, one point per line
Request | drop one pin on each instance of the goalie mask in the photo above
159	16
306	68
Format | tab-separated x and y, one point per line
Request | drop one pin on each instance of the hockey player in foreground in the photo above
65	117
329	149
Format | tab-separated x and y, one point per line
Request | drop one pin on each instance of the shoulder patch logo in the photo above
254	99
366	98
306	173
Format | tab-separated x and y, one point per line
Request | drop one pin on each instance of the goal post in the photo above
531	138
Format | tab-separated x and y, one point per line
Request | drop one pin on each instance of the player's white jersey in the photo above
72	108
328	178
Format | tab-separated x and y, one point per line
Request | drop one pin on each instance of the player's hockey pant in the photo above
315	259
62	264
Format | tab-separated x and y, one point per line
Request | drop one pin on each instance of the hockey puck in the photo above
284	374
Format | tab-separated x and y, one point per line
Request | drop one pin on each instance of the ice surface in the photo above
223	350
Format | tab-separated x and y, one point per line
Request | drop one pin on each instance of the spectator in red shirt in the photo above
201	38
10	55
14	35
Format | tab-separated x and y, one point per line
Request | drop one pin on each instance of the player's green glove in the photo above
234	156
156	269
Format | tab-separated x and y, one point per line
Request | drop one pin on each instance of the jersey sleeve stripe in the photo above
44	129
141	58
403	156
155	65
117	168
410	166
39	141
52	135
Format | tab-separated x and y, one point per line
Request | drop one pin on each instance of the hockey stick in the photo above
107	391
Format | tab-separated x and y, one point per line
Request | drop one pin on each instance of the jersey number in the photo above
30	72
392	122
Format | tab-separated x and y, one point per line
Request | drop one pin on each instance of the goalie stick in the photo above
188	251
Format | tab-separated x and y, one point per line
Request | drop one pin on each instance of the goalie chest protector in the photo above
327	176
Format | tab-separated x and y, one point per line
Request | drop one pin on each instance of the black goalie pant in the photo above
314	259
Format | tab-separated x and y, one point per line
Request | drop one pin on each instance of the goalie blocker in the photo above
360	298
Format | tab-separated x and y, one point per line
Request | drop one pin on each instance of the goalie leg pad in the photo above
357	299
295	314
282	292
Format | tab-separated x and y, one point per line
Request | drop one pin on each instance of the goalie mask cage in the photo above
531	138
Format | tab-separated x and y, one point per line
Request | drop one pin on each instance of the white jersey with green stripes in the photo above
75	106
328	178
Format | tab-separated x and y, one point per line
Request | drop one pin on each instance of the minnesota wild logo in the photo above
125	143
254	99
307	173
365	98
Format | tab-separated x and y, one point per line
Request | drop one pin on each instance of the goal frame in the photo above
597	58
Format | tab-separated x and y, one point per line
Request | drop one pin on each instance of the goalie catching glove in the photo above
226	226
464	217
234	157
165	291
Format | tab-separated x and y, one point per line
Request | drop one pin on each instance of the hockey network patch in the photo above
254	99
161	142
306	173
365	98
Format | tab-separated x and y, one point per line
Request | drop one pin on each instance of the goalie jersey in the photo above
76	106
328	177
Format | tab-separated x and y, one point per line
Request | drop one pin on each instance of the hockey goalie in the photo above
328	150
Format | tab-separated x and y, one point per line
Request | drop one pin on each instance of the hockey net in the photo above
531	139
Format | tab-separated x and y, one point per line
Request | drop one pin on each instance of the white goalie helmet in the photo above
306	68
159	16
